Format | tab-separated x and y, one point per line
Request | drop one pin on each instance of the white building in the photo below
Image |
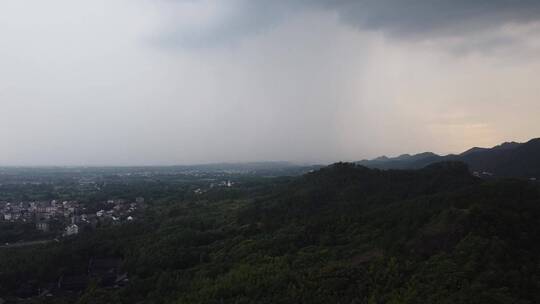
71	230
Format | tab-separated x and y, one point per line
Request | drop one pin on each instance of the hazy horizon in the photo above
277	162
177	82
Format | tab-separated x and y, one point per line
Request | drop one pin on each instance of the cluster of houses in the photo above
485	174
39	212
72	214
224	183
117	211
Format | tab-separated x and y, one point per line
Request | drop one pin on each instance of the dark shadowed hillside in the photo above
506	160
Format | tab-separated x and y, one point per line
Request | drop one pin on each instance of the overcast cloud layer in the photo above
140	82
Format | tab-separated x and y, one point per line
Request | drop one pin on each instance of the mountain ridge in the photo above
509	159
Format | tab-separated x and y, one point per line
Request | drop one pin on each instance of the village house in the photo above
42	226
72	229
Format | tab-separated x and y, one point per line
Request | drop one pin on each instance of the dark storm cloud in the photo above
406	19
434	17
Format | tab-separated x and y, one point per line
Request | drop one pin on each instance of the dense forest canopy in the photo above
341	234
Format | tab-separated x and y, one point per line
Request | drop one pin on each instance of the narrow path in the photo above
29	243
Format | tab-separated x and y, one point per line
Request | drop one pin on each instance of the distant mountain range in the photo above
510	159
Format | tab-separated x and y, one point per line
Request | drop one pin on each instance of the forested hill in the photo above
436	235
509	159
348	186
341	234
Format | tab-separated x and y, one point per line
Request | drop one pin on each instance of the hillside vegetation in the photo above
342	234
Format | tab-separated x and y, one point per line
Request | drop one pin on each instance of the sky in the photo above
164	82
